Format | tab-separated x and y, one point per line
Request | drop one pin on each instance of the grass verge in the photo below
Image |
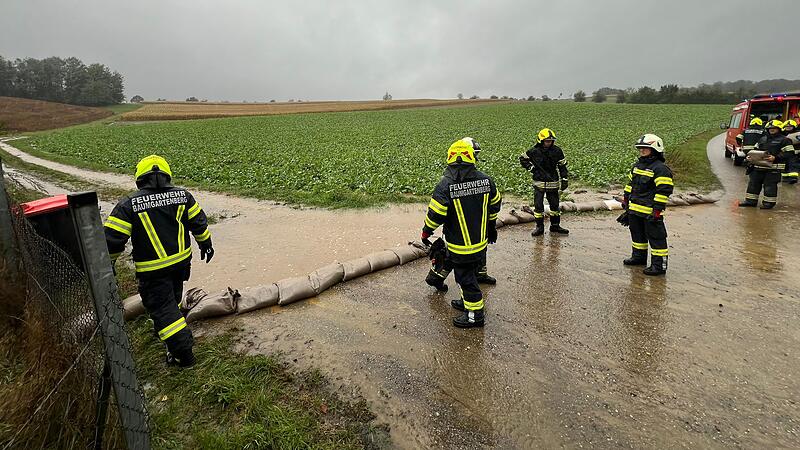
690	165
234	401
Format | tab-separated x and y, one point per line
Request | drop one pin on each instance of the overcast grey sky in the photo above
352	49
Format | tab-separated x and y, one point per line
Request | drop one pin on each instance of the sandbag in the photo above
382	260
598	205
508	219
498	224
707	198
408	253
355	268
132	307
584	207
691	199
291	290
198	304
677	201
325	277
567	207
257	297
523	216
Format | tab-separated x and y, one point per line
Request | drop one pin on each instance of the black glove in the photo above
206	250
749	169
623	219
491	233
564	184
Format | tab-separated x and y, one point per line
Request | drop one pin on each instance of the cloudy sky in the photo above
353	49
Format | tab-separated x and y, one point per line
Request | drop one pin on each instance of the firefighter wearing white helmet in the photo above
645	200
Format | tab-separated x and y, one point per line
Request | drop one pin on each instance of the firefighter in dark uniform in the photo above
441	266
791	157
548	168
466	201
775	144
751	135
158	219
645	200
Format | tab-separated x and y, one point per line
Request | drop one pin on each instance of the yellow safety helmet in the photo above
544	134
152	163
774	123
463	151
756	122
789	123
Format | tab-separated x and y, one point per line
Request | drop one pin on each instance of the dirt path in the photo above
578	349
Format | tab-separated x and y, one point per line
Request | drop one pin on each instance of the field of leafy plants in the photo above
367	158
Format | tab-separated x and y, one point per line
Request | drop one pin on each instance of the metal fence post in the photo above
8	247
103	287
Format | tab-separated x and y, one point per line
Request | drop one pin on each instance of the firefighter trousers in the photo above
552	199
644	232
766	179
792	171
160	296
466	277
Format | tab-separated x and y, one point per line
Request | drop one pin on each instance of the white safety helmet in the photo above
650	141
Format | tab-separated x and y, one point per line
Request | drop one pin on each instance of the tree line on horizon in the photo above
715	93
61	80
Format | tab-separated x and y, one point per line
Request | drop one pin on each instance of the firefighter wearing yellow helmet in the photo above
548	167
466	202
158	219
767	175
645	200
792	158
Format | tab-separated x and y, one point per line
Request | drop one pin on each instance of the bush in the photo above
579	96
599	97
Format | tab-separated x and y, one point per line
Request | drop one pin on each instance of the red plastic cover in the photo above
44	205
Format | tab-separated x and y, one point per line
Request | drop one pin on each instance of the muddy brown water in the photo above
578	350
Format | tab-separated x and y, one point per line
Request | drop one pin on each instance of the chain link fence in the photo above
72	353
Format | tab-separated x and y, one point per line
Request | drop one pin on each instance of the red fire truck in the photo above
766	107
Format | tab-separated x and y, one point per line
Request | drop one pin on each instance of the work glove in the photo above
425	238
749	169
564	184
623	219
206	250
491	233
655	216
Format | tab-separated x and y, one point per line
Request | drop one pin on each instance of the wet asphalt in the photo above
578	350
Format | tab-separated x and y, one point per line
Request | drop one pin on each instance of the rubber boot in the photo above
558	229
748	203
433	279
658	266
539	230
765	205
638	258
458	304
484	278
186	360
469	319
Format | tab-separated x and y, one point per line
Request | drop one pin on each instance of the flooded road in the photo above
578	350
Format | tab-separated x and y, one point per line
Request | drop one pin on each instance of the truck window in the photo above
767	110
736	120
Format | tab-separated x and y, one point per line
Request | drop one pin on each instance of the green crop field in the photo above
366	158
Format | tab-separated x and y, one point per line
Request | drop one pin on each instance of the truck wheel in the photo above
728	153
738	160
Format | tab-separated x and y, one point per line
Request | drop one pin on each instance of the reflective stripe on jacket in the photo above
158	223
650	186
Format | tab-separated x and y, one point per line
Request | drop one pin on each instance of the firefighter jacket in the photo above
750	138
466	201
650	186
778	146
158	222
547	166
